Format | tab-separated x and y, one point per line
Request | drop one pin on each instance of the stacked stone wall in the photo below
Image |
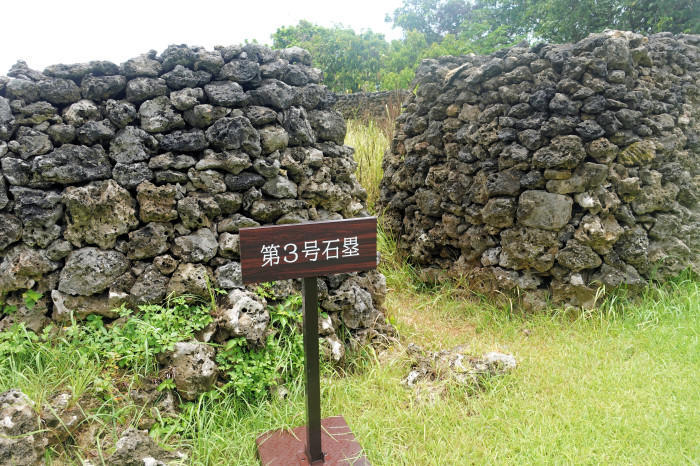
376	106
126	184
553	169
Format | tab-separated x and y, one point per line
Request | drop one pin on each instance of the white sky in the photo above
47	32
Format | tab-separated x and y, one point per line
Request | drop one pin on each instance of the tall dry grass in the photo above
371	138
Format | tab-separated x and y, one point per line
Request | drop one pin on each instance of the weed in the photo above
134	341
370	141
264	290
29	297
17	342
251	370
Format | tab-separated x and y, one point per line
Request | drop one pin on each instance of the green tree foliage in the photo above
350	61
552	20
433	18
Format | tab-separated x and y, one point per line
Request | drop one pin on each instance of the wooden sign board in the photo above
310	249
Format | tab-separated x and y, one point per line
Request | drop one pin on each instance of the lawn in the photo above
616	386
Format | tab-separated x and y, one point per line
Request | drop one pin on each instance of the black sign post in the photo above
312	377
309	250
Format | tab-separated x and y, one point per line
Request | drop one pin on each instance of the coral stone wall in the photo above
128	183
552	169
370	105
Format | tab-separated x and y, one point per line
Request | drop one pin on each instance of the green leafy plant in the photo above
7	309
31	297
167	384
264	290
252	371
155	329
17	342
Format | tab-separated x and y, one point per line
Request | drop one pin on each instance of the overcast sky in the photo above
46	32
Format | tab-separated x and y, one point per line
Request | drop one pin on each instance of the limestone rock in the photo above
354	303
130	176
241	71
576	257
120	113
143	65
140	89
10	230
102	87
638	153
7	120
200	246
229	161
150	287
540	209
71	164
21	438
98	213
598	233
37	208
149	241
525	248
499	212
192	140
90	270
273	138
158	115
31	143
328	125
185	99
280	187
156	203
296	123
244	315
273	93
229	245
204	115
67	307
563	152
22	266
189	279
192	366
229	276
181	77
234	133
135	447
226	94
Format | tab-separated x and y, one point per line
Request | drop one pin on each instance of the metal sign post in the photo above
309	250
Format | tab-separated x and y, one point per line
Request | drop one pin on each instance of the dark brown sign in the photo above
308	249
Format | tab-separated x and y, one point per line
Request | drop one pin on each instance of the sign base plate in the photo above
285	448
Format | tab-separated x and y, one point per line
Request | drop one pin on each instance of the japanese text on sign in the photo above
311	251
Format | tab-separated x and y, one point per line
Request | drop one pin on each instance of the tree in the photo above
350	61
572	20
433	18
650	16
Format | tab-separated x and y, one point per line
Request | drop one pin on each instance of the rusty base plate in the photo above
284	448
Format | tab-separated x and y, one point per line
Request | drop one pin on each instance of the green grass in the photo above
370	140
614	386
611	388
